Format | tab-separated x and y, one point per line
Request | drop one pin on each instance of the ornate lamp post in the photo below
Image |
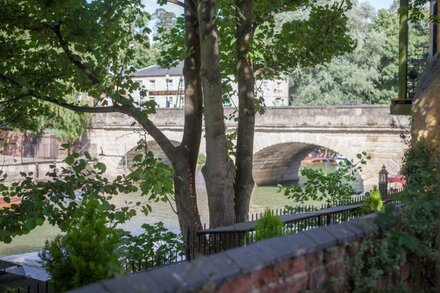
383	182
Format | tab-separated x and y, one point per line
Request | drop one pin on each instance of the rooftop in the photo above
156	70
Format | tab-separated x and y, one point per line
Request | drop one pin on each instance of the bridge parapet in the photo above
365	116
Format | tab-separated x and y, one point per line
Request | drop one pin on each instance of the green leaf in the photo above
69	160
101	167
87	155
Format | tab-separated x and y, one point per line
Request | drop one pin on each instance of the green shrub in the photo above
87	252
413	230
373	202
155	246
268	226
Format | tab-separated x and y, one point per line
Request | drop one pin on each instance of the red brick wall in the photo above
11	143
330	270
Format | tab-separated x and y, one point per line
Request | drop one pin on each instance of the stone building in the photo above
166	88
426	107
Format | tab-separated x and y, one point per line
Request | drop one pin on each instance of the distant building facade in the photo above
166	88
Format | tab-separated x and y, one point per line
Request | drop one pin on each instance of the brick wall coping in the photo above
205	273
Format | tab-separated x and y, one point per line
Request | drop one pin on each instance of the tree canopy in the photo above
369	74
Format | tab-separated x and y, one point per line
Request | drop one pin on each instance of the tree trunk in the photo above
244	181
184	157
218	170
187	152
186	199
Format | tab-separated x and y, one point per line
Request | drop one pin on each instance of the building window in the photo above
169	102
152	99
279	102
181	84
265	84
151	84
140	81
169	84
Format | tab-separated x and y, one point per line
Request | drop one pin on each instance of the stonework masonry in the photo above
283	137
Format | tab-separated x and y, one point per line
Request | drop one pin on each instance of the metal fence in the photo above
212	241
28	286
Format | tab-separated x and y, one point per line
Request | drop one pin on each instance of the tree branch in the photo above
263	70
177	2
75	59
168	148
82	109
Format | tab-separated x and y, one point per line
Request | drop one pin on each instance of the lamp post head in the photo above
383	175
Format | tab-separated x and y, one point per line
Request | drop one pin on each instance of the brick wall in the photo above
318	260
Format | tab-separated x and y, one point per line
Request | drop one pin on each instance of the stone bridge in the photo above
283	138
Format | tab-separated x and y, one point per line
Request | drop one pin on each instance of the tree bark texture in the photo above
187	152
218	170
244	181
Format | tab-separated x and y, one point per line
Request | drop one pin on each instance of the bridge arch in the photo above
344	143
126	161
280	163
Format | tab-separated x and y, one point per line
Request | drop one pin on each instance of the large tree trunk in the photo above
185	162
218	170
244	181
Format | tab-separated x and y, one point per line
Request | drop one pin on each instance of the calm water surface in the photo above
262	198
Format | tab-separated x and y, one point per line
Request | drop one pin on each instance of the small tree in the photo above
268	226
373	202
86	253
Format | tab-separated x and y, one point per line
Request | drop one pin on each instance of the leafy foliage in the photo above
418	219
86	253
375	258
156	245
47	53
56	200
372	203
413	228
268	226
349	78
333	187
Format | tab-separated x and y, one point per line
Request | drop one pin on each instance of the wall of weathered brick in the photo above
318	260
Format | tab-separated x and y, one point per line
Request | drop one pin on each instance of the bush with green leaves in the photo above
268	226
333	188
87	253
155	246
414	227
373	202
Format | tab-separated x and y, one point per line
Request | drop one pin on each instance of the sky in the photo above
379	4
152	5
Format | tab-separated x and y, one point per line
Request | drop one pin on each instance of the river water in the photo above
262	198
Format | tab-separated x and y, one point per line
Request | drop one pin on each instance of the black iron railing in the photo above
212	241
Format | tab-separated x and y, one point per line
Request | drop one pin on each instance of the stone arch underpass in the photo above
278	156
126	162
280	163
